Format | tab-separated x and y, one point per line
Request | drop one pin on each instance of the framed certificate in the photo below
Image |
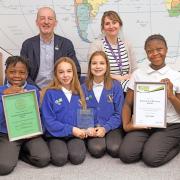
150	101
22	115
85	118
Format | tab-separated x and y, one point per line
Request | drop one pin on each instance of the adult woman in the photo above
120	54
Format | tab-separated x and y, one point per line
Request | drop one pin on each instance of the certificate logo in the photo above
147	89
20	104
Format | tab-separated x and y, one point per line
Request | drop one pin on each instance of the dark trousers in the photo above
63	149
110	143
155	147
33	151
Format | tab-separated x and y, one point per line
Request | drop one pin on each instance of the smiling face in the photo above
111	27
156	51
16	74
98	68
46	21
64	74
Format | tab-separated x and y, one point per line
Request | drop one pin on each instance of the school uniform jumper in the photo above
59	117
107	114
34	150
155	146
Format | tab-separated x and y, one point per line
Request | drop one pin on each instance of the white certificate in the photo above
150	101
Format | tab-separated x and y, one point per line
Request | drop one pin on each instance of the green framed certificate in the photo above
150	102
22	115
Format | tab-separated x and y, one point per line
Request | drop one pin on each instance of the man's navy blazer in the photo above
31	50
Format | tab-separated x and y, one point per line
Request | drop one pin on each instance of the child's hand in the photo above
91	132
79	133
131	126
13	90
169	87
138	127
100	131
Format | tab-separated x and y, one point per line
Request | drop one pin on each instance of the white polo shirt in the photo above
67	93
147	74
97	89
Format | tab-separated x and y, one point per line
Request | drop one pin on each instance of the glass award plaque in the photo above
85	118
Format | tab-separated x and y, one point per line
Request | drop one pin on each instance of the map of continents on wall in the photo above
86	12
79	20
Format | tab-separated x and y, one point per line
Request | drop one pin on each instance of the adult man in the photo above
44	49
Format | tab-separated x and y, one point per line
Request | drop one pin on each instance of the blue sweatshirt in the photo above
59	116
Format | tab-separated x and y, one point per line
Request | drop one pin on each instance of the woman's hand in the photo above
120	78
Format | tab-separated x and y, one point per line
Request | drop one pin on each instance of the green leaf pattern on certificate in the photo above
145	89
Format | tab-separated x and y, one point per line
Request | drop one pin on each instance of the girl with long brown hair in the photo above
105	96
62	99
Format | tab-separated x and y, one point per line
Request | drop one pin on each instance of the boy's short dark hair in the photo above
13	60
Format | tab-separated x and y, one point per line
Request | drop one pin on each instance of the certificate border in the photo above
38	116
135	100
